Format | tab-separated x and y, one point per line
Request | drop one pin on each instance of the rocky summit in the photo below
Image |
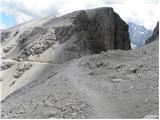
77	66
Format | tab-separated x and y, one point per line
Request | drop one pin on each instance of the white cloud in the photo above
72	5
34	8
2	26
143	12
21	17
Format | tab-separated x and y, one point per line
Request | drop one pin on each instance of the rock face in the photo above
106	30
154	36
67	37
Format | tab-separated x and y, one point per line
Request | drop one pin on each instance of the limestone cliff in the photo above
67	37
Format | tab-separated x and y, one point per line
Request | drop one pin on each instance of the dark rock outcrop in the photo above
77	34
154	36
105	29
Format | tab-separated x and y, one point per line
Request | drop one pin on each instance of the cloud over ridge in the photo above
143	12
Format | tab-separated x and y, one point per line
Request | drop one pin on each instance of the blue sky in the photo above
7	19
13	12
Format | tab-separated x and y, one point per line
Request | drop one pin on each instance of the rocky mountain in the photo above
138	34
70	36
77	66
56	40
154	36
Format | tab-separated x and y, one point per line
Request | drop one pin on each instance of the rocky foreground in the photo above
113	84
61	68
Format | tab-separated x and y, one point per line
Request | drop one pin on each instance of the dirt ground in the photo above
113	84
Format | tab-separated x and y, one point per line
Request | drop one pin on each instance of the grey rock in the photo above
5	65
22	68
154	36
151	116
117	80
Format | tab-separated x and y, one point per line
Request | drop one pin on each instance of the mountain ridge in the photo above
90	33
78	66
154	36
138	34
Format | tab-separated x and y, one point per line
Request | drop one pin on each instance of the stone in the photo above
12	83
151	116
116	80
52	114
147	100
99	64
22	68
5	65
74	114
7	49
133	70
91	73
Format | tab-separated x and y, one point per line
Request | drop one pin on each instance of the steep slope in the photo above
154	36
56	40
113	84
138	34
